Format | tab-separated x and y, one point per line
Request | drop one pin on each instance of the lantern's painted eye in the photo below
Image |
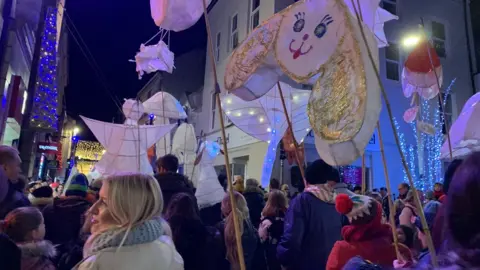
321	28
300	22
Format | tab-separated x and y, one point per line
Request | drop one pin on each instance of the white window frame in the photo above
213	107
438	39
391	2
392	61
253	12
233	32
218	43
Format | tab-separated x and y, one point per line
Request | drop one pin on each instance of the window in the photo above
448	101
217	46
392	60
234	32
254	14
390	6
438	38
214	110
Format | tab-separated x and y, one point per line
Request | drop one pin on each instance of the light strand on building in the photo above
45	103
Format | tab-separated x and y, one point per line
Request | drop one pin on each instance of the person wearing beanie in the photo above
312	225
64	217
40	194
78	186
366	236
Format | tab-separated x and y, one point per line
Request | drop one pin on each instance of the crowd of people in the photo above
138	221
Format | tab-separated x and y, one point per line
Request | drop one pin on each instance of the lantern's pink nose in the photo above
305	37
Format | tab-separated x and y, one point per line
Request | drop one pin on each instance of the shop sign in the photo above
48	148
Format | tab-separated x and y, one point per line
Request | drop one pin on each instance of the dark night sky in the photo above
113	32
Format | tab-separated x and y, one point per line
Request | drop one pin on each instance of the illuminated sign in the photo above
48	148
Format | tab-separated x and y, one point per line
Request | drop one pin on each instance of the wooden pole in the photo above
295	144
418	203
364	184
391	217
238	237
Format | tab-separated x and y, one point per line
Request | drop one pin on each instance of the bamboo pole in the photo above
295	144
428	235
238	237
391	217
364	184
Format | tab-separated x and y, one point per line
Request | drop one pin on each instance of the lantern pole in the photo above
295	144
418	203
238	237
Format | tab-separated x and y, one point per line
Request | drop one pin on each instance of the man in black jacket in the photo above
170	181
312	225
9	176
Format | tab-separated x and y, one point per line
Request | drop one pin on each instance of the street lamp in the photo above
411	41
75	131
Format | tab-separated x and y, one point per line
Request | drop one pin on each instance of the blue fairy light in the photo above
44	111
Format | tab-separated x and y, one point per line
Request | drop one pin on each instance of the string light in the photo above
251	112
403	147
45	99
261	119
239	114
229	101
89	150
228	112
269	161
269	130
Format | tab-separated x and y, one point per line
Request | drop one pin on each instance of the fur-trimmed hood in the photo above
39	201
37	249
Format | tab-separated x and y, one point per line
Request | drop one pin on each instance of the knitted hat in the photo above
78	186
319	172
358	209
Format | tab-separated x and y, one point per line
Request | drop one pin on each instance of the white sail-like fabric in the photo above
176	15
184	147
163	104
209	191
165	107
126	145
265	120
154	58
265	116
465	132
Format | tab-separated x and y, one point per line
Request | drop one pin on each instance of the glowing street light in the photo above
75	131
411	41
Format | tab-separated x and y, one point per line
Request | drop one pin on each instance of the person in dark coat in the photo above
65	217
200	246
255	198
312	225
10	255
439	229
10	196
170	181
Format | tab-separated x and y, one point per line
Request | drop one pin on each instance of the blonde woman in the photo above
248	232
127	231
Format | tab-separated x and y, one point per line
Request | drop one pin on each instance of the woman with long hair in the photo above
247	231
198	244
271	226
127	230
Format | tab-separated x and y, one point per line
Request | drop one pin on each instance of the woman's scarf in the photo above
146	232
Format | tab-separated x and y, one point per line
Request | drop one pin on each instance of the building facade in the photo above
444	21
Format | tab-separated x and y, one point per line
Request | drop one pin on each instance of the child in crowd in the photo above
25	227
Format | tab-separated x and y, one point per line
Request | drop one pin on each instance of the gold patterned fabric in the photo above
252	56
